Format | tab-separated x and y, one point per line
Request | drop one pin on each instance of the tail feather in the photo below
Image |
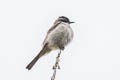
41	53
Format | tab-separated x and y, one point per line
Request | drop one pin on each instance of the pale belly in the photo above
60	37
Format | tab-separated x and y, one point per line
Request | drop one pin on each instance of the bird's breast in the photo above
61	35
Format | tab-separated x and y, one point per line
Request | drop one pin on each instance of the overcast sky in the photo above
94	53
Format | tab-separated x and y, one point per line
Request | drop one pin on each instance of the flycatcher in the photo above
58	36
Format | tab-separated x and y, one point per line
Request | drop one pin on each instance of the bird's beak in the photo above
72	22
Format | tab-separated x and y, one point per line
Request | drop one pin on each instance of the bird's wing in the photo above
50	30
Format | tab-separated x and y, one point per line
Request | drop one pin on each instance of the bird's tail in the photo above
40	54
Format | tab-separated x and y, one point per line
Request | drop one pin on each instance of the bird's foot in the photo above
62	48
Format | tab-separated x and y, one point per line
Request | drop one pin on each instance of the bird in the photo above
57	38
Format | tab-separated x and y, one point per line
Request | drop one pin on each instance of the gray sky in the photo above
94	53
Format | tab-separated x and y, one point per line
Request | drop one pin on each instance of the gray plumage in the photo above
58	36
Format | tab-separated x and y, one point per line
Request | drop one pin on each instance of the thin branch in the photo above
56	66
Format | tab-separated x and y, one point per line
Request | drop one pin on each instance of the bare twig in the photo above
56	66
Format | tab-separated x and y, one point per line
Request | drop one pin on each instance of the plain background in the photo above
94	53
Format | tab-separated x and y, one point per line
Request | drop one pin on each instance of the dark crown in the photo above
64	19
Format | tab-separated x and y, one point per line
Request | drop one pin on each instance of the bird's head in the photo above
64	19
